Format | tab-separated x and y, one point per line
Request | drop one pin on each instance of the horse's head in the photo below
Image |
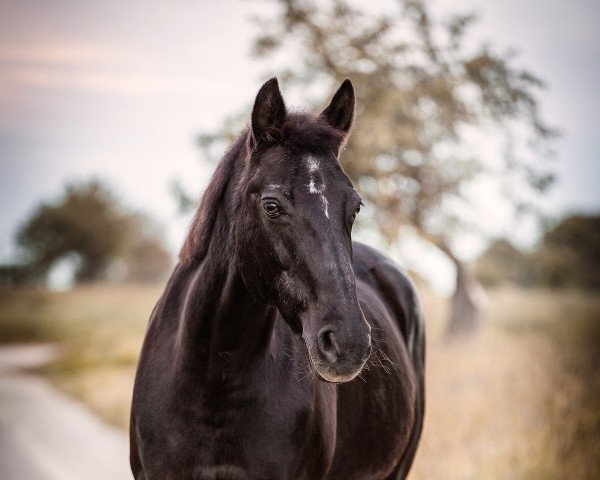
293	229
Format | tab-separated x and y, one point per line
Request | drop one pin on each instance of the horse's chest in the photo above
245	433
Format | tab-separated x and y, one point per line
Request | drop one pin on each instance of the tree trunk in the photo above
468	302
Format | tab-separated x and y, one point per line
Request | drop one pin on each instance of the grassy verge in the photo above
520	400
100	329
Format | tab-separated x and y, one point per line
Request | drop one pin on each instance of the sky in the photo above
119	90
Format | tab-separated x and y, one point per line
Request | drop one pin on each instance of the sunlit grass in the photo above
520	400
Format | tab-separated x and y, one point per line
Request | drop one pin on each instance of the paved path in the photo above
45	435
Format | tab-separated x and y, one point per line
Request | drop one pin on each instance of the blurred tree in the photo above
145	256
89	222
419	86
421	90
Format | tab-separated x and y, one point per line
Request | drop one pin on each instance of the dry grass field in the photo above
519	401
522	399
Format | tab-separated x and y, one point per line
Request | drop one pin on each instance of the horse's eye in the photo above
272	209
356	212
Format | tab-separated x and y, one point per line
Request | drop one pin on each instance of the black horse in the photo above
250	362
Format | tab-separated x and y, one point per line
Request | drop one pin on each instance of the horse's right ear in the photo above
268	114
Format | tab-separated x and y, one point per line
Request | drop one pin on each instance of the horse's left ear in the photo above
340	112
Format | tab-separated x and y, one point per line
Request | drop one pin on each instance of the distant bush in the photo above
503	262
567	255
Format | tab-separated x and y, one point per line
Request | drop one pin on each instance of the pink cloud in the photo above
115	82
60	53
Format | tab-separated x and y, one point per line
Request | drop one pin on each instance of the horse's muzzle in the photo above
339	356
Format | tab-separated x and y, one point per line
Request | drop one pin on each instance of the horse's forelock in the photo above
308	132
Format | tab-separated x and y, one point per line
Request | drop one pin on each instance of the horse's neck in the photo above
221	323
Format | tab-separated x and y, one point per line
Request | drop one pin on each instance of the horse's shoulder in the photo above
369	262
396	290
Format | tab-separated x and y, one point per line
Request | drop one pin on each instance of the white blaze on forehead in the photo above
325	205
313	164
315	187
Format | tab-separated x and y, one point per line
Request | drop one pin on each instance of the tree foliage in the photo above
89	223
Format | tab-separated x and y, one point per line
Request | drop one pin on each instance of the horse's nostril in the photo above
328	346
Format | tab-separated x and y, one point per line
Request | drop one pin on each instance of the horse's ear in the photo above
340	112
268	114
